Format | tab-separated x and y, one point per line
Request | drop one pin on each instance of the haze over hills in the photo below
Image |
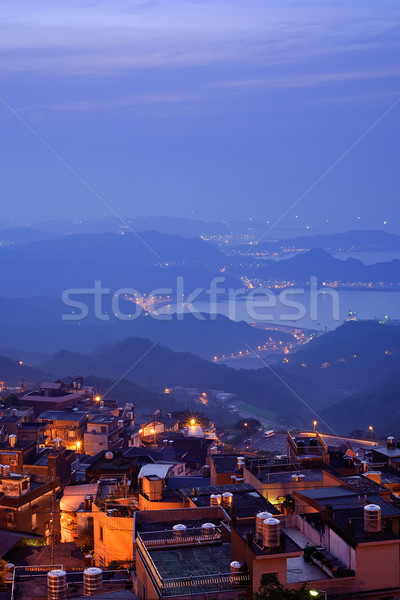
35	325
377	405
321	264
162	368
145	248
356	354
365	240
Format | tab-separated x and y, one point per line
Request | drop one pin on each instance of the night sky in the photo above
214	109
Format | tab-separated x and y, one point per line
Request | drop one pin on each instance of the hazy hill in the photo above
35	325
377	405
347	359
127	249
162	368
325	267
350	240
12	372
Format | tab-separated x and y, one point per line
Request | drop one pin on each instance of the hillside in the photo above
377	405
38	321
347	359
321	264
162	368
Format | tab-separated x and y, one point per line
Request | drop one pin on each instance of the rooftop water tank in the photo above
227	499
179	530
260	518
372	518
56	585
390	442
92	581
237	570
208	529
272	533
215	499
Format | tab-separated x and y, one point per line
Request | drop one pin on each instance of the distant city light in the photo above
97	398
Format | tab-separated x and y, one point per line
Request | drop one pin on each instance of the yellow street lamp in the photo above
97	398
78	445
193	422
315	423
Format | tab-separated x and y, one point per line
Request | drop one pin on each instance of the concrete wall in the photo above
117	542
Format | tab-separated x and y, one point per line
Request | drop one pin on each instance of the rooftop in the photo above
389	452
225	463
287	545
341	498
247	501
161	470
266	476
61	415
189	561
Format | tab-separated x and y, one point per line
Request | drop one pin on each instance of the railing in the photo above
203	584
190	536
148	562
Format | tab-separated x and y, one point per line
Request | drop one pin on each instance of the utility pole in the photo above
53	503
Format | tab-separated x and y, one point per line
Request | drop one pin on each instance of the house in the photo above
68	426
104	432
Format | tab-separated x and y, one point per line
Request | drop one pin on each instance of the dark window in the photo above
269	578
103	429
101	533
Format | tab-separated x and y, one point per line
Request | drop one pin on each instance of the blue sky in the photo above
212	109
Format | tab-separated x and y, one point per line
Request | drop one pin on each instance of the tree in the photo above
274	590
86	540
10	401
248	425
3	574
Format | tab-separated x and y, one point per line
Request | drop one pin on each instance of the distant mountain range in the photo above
326	268
361	240
349	377
156	368
35	325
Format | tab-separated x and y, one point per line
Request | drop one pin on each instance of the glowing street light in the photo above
193	422
317	593
78	445
97	398
315	423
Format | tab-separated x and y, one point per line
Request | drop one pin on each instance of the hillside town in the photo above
99	501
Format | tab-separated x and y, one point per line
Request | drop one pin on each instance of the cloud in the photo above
101	38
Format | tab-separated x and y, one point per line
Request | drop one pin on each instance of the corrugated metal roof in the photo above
117	595
155	469
74	496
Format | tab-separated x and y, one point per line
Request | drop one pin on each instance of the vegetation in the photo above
248	425
3	574
273	590
86	540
